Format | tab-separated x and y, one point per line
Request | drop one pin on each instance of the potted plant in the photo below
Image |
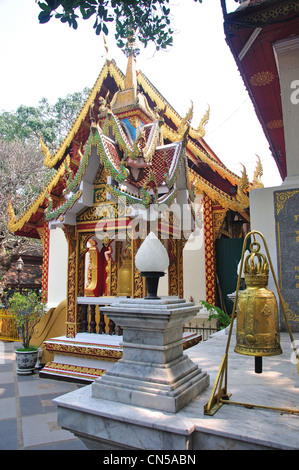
26	308
215	312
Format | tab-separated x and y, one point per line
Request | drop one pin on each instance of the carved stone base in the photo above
153	372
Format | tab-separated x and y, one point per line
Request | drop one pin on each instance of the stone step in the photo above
88	356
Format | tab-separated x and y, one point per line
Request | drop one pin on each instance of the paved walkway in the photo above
28	417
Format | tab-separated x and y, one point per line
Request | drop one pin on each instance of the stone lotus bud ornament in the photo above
152	261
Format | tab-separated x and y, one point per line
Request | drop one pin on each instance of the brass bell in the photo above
257	311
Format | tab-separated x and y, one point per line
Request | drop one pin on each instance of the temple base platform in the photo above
109	425
88	356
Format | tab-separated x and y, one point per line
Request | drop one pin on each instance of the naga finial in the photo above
201	128
106	46
243	187
11	214
46	152
257	183
185	123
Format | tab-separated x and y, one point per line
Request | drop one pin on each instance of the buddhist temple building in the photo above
128	165
263	36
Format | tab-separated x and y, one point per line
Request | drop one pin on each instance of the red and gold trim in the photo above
209	250
72	285
91	350
45	236
75	372
175	269
112	353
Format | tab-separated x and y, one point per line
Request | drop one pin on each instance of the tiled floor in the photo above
28	417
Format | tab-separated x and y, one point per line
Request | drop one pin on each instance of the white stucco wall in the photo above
194	258
287	58
57	280
163	285
262	219
194	268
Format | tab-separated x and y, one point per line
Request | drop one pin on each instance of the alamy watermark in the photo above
295	93
294	345
175	221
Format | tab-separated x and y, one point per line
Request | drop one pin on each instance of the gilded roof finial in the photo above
106	47
130	95
132	51
132	46
257	183
11	214
46	152
242	191
201	127
185	123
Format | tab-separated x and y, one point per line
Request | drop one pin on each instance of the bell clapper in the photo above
258	364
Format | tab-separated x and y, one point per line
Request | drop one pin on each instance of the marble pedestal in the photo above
153	373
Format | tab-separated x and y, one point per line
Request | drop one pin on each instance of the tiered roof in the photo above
143	144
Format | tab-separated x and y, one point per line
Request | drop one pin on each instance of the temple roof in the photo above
250	32
143	144
250	3
141	167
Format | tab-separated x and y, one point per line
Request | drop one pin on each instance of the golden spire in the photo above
130	96
131	51
106	47
131	77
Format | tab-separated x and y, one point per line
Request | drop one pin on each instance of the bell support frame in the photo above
219	395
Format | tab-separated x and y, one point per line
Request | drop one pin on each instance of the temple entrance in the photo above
228	255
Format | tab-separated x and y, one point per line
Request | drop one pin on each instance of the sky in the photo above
52	60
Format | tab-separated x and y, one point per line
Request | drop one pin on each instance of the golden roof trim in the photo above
13	224
227	202
177	120
205	157
109	67
158	98
170	111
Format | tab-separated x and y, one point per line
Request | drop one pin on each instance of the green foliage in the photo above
217	313
27	308
22	171
150	19
30	348
26	122
52	122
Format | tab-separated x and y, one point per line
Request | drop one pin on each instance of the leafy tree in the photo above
27	309
65	110
22	176
22	171
28	123
150	19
